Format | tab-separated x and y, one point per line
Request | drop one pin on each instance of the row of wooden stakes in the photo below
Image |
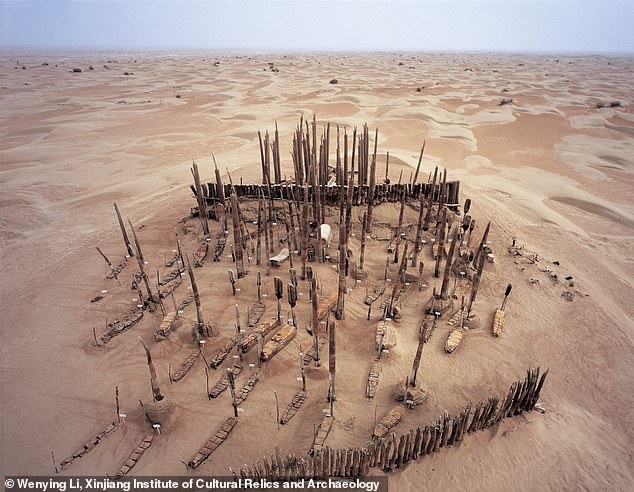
391	452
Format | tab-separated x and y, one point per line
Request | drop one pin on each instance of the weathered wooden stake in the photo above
331	361
279	293
128	246
258	281
232	281
416	364
156	391
202	201
420	159
116	397
363	239
237	240
199	310
277	410
314	318
445	279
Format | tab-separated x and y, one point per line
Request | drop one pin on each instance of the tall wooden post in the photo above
419	230
432	192
314	318
476	284
482	244
128	246
363	239
372	185
141	262
232	388
400	226
331	362
440	241
279	292
445	279
199	310
258	250
237	240
420	159
343	254
202	202
304	229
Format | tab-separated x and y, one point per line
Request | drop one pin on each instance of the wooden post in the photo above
232	281
363	239
279	292
304	229
445	279
314	318
199	310
277	410
288	235
104	256
237	240
475	285
202	201
416	364
343	254
94	334
141	262
232	389
156	391
399	227
301	369
331	362
372	185
420	159
54	462
292	300
440	241
116	397
431	201
258	281
128	246
419	230
258	251
482	244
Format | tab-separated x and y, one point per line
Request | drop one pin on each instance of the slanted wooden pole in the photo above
128	246
277	410
202	201
399	280
420	159
104	256
156	391
482	244
116	398
506	295
141	263
417	357
475	285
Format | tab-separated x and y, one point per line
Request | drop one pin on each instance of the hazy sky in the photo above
507	25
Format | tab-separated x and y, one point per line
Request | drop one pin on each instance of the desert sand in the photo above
551	169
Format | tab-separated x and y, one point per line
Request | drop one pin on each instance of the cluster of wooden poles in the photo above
351	181
391	453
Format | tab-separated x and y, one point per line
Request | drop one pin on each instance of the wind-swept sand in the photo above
550	169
